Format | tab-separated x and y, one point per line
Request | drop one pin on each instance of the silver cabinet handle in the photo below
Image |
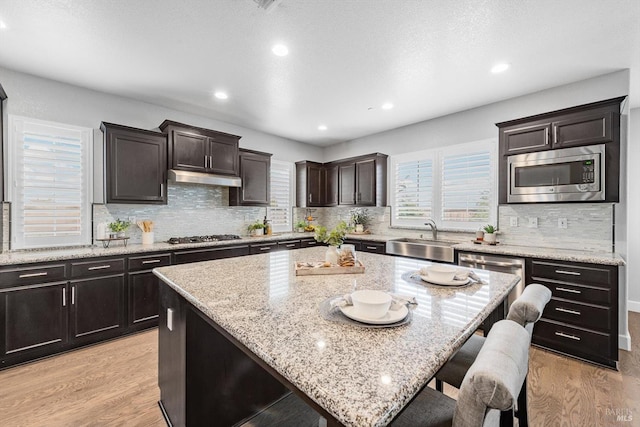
99	267
493	263
312	243
563	335
206	159
151	261
371	247
571	291
292	245
210	162
73	295
161	190
571	273
43	273
266	248
64	297
310	198
564	310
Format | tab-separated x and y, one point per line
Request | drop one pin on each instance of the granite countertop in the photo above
362	376
117	248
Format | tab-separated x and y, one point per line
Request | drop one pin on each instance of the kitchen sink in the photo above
434	250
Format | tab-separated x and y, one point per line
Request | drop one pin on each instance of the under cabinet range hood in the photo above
204	178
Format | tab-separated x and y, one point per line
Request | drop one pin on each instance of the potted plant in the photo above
257	228
300	226
490	234
118	228
333	238
360	218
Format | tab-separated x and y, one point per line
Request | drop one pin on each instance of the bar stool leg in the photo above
439	385
522	413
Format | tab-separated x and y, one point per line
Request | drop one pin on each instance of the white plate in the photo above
454	282
392	316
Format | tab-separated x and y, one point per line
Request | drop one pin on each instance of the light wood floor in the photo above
115	384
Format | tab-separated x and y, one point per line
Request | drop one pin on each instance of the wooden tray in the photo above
316	268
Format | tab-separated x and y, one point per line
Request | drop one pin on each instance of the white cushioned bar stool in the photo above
491	385
525	311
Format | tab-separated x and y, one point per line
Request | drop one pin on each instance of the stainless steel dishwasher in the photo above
500	264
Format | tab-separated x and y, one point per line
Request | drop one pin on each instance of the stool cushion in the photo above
528	307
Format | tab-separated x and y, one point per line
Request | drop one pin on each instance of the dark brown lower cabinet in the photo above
143	299
97	308
34	321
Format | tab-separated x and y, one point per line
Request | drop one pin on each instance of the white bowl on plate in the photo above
441	273
370	303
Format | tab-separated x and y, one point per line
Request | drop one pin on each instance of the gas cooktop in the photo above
202	239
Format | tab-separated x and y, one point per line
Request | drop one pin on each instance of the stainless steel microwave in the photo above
562	175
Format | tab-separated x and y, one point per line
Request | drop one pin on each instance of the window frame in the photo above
16	124
437	155
290	166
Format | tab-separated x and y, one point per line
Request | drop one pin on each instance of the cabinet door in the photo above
190	151
315	186
223	154
347	184
366	183
143	299
331	185
97	308
256	181
525	139
136	163
583	129
34	320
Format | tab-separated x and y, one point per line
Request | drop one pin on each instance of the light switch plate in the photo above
533	222
513	221
562	222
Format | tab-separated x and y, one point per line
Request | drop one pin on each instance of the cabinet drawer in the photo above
95	268
210	254
575	273
149	261
375	247
262	248
579	293
289	244
25	275
584	315
308	243
576	341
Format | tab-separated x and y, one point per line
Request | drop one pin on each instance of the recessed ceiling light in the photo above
3	26
221	95
499	68
280	50
387	106
322	127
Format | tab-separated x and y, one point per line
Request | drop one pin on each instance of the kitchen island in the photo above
238	333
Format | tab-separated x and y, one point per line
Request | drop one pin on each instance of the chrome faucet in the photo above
431	223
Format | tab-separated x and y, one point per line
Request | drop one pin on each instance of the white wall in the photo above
50	100
633	207
479	124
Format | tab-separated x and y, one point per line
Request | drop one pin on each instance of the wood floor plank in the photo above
115	384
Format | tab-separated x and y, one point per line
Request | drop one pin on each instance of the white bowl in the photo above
441	273
370	303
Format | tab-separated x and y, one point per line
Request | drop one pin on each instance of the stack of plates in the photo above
392	316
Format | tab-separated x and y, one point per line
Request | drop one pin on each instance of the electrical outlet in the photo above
533	222
513	221
562	222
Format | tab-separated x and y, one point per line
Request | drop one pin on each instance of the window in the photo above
50	183
280	210
455	186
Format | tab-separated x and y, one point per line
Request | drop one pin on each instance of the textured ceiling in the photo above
347	57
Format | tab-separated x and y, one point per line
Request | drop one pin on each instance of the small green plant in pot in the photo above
490	234
118	228
256	229
360	218
300	225
333	238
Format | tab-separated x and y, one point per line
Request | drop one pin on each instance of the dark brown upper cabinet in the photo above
331	179
594	123
135	165
201	150
357	181
255	168
309	184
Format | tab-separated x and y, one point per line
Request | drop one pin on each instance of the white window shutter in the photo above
280	210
